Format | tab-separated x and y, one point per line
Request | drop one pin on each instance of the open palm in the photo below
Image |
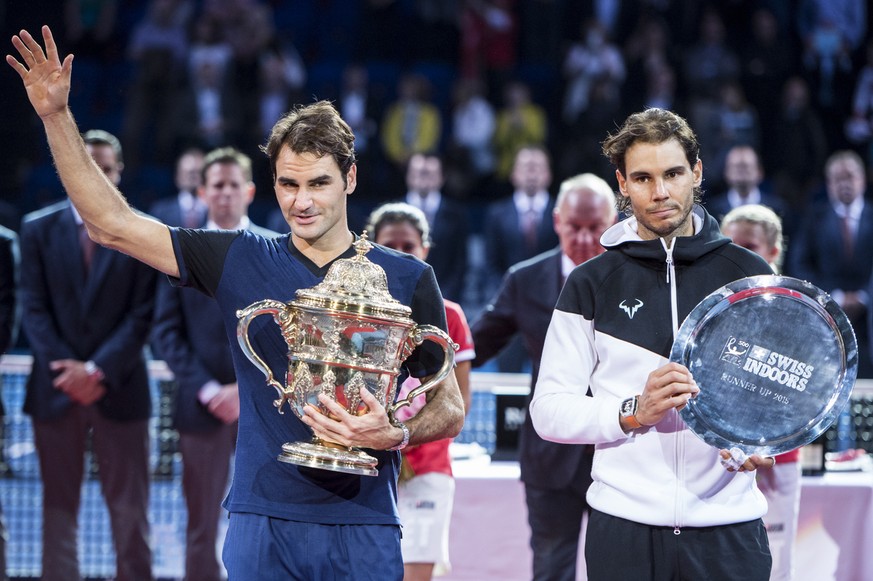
46	79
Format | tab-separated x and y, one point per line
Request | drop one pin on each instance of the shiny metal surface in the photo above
775	359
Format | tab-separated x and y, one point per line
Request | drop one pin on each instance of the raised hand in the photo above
46	79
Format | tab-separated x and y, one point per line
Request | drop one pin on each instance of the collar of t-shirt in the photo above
736	200
524	203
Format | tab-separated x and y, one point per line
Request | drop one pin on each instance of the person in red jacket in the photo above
426	490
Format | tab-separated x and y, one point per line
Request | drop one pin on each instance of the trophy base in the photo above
316	455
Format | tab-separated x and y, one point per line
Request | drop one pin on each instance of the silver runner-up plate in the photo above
775	359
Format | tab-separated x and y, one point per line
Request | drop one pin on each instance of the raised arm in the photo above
109	218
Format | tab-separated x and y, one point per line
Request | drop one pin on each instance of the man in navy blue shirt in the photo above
286	521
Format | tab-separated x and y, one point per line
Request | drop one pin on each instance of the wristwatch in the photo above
628	412
93	371
405	441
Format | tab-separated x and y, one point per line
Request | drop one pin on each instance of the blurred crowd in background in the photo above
469	80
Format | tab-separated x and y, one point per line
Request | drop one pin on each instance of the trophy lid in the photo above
355	285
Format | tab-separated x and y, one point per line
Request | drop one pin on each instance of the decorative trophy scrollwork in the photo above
344	334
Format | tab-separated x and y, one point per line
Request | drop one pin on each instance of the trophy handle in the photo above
281	314
419	335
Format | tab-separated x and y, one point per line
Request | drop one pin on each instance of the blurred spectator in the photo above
489	30
158	51
794	151
735	123
710	61
592	59
185	209
649	54
519	227
281	78
831	30
208	43
91	27
520	122
207	109
744	178
473	125
859	127
768	58
361	104
580	144
412	124
447	219
834	247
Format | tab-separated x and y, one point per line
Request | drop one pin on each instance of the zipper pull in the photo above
669	266
676	531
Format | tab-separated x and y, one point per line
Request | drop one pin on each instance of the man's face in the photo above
402	236
312	195
188	170
104	155
660	185
424	174
226	193
752	237
845	181
531	172
741	169
580	220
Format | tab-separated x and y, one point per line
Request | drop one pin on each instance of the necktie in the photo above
530	221
88	247
848	236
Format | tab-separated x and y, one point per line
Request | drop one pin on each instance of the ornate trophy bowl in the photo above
345	333
776	360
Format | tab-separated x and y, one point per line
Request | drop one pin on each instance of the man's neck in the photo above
326	248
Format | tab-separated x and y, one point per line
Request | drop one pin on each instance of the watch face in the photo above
629	407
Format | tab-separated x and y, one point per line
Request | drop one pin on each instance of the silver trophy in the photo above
776	360
345	333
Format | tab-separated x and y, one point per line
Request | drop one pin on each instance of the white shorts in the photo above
425	506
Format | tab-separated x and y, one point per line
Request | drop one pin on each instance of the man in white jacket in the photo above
663	504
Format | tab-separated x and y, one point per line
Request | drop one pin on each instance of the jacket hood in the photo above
706	238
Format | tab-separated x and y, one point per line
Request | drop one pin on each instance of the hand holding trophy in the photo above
344	334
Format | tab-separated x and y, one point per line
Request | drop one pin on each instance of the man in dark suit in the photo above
744	177
9	264
189	333
833	248
185	208
447	219
555	476
87	312
517	228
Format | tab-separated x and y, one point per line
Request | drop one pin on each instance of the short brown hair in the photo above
227	155
650	126
317	129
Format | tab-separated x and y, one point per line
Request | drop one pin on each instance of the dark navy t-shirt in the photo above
240	268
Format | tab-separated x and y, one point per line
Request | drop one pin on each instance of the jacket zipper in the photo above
674	313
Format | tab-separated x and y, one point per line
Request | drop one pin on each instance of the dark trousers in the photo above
616	548
122	454
205	468
555	518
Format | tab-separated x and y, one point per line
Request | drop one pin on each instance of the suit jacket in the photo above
103	316
190	335
524	305
719	205
504	242
9	266
448	252
169	211
816	254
